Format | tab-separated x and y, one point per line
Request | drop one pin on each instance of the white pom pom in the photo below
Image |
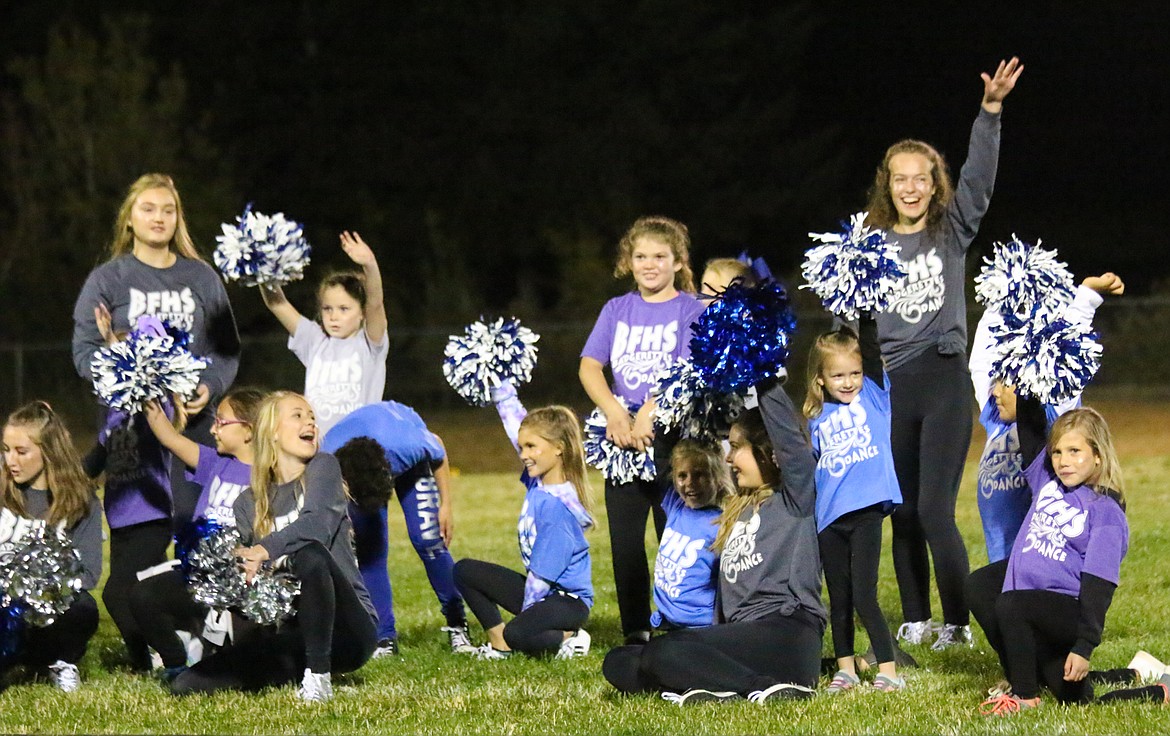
487	356
262	249
1024	282
856	270
619	465
149	364
1052	361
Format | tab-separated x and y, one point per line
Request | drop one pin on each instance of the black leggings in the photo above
331	632
133	548
851	548
162	604
538	629
65	639
740	657
627	506
930	432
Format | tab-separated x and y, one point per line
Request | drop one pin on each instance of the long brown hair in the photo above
1095	430
560	426
842	340
70	489
751	425
881	202
671	232
123	240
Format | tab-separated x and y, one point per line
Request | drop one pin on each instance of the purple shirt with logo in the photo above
1067	532
223	478
637	338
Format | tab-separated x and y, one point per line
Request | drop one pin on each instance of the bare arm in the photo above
363	255
280	306
618	427
185	449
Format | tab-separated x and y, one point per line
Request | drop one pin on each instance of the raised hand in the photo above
356	249
997	86
1107	284
101	315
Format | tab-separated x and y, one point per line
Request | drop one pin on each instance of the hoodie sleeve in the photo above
794	455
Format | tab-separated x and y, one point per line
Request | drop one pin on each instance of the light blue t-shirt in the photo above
684	571
855	464
396	427
553	545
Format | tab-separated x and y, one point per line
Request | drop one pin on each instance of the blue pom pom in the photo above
742	337
11	633
619	465
487	356
262	249
1052	361
853	271
151	363
683	399
188	538
758	266
1024	282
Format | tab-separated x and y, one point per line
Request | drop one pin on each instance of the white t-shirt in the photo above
340	374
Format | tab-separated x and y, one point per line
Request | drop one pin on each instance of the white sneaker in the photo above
1147	665
459	639
698	695
194	646
953	635
576	645
781	691
487	651
65	676
316	687
916	632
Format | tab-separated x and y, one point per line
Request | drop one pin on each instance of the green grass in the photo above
428	690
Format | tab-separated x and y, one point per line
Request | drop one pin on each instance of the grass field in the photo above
428	690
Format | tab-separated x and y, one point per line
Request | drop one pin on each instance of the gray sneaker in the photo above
953	635
459	639
316	687
65	676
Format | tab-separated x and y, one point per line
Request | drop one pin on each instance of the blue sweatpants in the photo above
418	493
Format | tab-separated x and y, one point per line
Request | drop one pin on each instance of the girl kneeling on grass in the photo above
1043	609
768	644
551	602
294	516
41	482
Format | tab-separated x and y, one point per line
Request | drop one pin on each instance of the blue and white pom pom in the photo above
853	271
262	249
487	356
41	577
682	399
618	464
152	363
742	337
1024	282
1052	361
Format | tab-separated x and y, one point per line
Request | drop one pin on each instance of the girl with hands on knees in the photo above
552	599
294	517
42	485
636	335
345	354
923	339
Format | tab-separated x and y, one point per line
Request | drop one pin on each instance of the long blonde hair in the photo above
70	489
843	340
264	461
1095	430
751	424
671	232
560	426
708	458
123	240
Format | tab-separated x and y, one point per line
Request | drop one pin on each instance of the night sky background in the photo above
493	152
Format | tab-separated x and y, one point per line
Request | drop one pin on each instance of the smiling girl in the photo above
294	517
636	335
345	355
42	483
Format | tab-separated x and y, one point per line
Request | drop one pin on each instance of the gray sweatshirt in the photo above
312	508
189	294
771	562
86	534
931	309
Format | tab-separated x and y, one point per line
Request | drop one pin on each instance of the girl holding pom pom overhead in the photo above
924	338
154	269
345	355
551	601
636	335
42	484
294	517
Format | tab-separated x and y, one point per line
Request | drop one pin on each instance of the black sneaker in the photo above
699	695
386	648
781	691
